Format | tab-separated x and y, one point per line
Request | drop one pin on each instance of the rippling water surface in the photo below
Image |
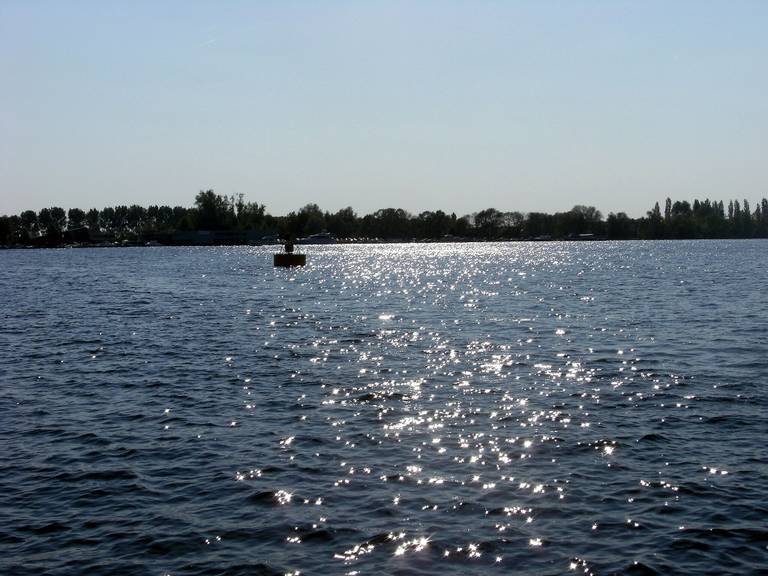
535	408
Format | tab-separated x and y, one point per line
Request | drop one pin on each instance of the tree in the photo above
655	222
391	223
746	216
737	222
762	228
135	217
150	218
513	224
489	222
165	219
45	219
537	224
107	219
181	218
52	222
92	219
214	212
29	223
343	224
311	219
250	215
589	213
460	226
578	220
432	224
620	226
121	219
681	209
76	218
6	230
59	217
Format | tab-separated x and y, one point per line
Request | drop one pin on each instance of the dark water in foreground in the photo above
406	409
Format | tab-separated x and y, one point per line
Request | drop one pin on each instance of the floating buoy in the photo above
288	259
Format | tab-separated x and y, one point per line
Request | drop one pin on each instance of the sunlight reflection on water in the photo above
396	408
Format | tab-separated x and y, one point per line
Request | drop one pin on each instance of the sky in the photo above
422	105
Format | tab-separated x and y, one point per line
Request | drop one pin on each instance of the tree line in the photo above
220	213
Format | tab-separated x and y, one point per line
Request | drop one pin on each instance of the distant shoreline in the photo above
217	220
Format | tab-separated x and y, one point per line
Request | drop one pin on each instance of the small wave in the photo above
50	528
639	569
107	475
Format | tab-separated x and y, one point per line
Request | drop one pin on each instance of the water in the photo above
533	408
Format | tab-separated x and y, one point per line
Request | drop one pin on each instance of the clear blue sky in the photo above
458	106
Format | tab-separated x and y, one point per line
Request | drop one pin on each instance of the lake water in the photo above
526	408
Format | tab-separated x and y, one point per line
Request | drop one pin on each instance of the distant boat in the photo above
321	238
267	240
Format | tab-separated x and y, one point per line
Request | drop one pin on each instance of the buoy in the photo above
288	259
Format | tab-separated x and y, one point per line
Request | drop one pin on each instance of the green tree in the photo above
59	217
165	219
29	223
513	224
762	227
432	224
250	215
656	222
76	218
311	219
92	219
344	223
107	219
181	218
489	222
537	224
746	217
589	213
150	218
6	231
392	223
460	226
214	212
620	226
121	219
135	218
45	220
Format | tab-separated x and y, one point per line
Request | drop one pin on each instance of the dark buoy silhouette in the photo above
287	258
